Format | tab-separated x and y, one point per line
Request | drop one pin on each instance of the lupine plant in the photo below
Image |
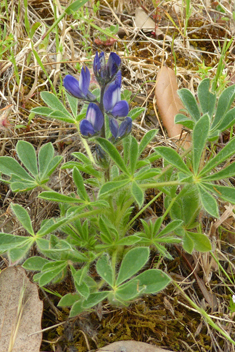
97	224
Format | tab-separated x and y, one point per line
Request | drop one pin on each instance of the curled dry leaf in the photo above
131	346
20	312
169	103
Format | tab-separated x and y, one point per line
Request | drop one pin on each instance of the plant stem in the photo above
101	106
142	210
89	153
86	146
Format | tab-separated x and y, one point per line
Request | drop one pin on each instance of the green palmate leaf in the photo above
53	265
53	102
114	172
128	241
188	243
94	299
8	241
134	113
146	140
224	192
104	269
23	186
27	155
42	110
20	252
206	98
157	225
68	300
78	180
45	156
59	115
9	166
172	226
128	291
133	261
184	120
73	103
88	169
23	217
100	204
227	121
49	275
57	197
83	158
190	103
113	153
227	172
134	151
79	275
51	226
104	229
53	164
208	202
35	263
172	157
126	148
200	134
153	281
147	174
213	136
76	308
200	241
83	289
224	103
112	186
186	206
137	193
223	155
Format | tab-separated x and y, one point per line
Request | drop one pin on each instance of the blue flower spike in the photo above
120	131
112	99
113	64
93	122
105	73
79	89
125	127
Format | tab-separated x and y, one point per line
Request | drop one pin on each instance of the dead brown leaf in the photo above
143	21
169	103
131	346
20	312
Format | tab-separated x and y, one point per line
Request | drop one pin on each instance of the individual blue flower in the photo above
105	73
93	122
112	99
120	131
79	89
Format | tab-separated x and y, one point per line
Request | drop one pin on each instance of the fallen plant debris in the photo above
20	312
169	105
129	346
